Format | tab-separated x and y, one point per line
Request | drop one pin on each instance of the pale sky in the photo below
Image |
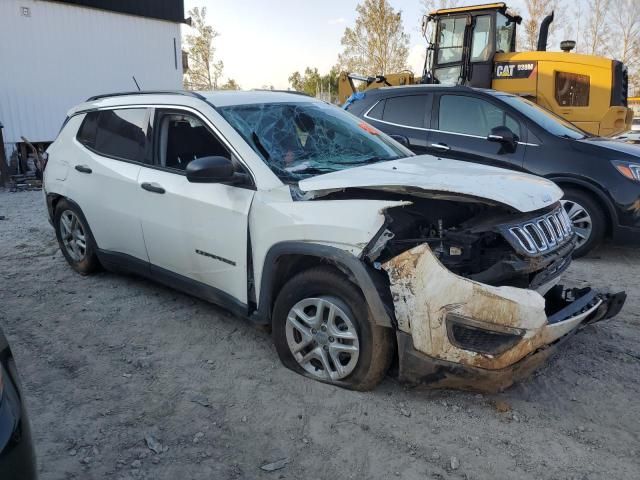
262	42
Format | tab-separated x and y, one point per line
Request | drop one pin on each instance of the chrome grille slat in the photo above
543	233
557	228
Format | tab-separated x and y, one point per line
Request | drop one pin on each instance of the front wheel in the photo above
322	329
587	218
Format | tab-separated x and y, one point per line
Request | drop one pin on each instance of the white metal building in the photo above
56	53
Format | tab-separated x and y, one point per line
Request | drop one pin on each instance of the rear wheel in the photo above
587	218
75	239
322	329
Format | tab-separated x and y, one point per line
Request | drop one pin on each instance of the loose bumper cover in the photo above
457	332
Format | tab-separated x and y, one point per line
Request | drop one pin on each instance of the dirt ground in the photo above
108	360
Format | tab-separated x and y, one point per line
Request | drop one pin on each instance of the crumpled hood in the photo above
520	191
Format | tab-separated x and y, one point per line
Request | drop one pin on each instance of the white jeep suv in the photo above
297	215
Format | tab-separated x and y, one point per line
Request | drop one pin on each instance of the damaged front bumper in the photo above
456	332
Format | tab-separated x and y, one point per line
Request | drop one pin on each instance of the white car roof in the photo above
218	98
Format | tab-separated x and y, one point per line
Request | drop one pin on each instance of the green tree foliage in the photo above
204	72
231	84
377	44
313	83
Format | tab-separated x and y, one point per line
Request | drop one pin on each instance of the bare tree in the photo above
625	21
536	10
377	44
625	24
432	5
597	33
204	72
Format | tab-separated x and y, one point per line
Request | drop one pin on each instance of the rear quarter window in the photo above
87	132
377	110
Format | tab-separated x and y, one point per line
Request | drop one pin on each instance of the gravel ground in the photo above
108	360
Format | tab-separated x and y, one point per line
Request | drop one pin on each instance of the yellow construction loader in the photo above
476	45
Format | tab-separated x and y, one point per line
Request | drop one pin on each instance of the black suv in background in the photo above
600	177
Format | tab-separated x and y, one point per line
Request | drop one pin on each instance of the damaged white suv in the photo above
297	215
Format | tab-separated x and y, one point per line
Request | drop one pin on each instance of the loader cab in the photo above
464	42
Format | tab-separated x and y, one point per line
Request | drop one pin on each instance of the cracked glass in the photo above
299	140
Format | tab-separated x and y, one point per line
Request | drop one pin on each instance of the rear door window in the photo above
118	133
407	111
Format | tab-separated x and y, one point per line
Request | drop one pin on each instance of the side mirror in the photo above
210	170
505	136
401	139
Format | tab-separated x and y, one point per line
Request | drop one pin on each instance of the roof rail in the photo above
295	92
147	92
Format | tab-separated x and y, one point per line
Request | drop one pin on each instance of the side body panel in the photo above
197	230
346	224
107	195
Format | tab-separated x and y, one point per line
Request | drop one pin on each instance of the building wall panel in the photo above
58	55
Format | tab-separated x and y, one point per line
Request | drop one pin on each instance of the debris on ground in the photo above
277	465
501	406
201	400
153	444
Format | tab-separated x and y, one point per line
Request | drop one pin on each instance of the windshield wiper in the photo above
310	170
369	160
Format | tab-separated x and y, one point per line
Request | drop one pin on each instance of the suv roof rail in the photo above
295	92
147	92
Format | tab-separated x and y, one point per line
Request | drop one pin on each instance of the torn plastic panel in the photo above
456	320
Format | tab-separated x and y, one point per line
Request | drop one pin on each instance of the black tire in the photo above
88	262
598	219
375	342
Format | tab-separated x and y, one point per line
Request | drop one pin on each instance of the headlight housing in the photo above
631	170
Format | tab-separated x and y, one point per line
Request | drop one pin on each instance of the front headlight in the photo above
628	169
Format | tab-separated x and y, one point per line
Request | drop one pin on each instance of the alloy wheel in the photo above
580	220
73	236
322	337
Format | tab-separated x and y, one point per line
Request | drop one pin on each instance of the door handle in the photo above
441	146
152	187
83	169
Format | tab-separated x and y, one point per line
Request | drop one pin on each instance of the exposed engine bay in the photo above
491	244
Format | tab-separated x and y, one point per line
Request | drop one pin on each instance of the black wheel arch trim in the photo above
597	191
332	255
52	196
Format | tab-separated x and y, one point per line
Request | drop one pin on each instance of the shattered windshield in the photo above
299	140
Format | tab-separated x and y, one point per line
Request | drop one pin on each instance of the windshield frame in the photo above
310	166
547	120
